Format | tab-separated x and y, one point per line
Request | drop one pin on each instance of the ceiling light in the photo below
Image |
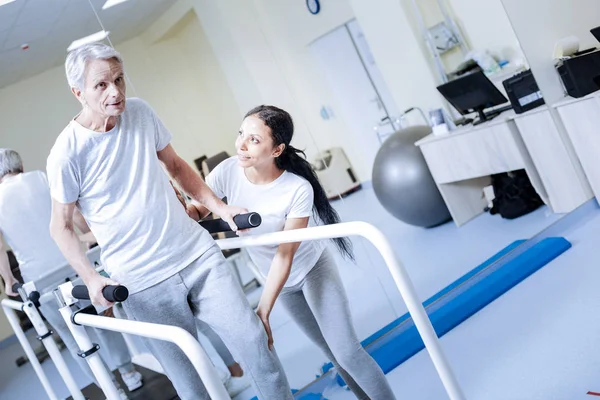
3	2
110	3
95	37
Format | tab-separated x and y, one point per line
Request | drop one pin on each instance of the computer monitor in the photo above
473	92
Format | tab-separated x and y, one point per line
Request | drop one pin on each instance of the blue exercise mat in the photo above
400	340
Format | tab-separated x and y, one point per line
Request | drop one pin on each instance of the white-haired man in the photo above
25	207
108	162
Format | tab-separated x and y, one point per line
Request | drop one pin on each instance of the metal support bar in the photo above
9	306
104	377
179	336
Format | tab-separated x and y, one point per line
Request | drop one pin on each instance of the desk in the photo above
554	158
462	161
582	122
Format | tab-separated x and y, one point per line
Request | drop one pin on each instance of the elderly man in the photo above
107	162
25	207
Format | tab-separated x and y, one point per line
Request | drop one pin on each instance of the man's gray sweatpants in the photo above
207	290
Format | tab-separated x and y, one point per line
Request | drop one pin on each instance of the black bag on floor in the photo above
514	195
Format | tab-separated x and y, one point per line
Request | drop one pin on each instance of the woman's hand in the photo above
264	314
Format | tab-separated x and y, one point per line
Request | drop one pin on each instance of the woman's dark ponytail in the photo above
294	161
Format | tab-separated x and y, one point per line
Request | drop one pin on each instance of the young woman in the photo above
270	177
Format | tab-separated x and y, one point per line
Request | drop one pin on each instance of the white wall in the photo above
183	81
289	29
539	25
400	55
263	48
33	112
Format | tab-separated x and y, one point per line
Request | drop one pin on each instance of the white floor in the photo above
535	342
538	341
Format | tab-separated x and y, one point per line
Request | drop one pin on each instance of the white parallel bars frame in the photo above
201	362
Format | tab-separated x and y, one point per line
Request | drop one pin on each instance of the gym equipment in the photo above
67	295
111	293
32	294
29	306
399	340
242	221
190	346
208	164
236	257
41	353
402	181
335	173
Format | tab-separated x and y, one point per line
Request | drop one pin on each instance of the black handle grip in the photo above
243	221
33	296
112	293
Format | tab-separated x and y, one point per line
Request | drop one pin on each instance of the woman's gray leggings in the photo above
320	307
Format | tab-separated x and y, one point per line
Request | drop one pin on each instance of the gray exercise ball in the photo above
402	181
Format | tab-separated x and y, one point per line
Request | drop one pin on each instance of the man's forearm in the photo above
195	187
69	244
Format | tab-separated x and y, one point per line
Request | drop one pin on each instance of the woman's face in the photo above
254	144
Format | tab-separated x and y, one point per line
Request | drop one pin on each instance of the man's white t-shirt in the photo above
25	208
126	198
288	196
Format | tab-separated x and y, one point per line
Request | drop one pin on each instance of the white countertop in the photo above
570	100
462	130
504	117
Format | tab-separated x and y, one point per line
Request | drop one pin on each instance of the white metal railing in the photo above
399	273
179	336
48	281
199	358
9	307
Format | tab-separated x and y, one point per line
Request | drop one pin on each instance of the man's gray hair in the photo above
10	162
78	58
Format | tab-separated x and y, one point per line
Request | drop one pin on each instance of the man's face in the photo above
104	88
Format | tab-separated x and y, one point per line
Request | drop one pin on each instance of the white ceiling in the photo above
49	26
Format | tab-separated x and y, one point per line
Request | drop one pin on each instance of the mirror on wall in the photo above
456	31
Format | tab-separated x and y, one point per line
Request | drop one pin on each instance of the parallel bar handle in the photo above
112	293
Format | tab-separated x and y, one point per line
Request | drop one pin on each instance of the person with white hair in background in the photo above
25	208
108	162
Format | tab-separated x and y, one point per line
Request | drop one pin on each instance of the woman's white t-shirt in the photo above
288	196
